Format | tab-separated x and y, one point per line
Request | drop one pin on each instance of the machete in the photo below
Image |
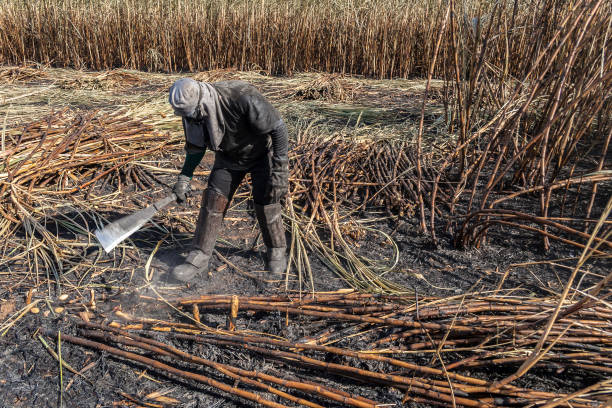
115	232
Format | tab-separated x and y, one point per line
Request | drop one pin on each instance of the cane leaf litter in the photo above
352	186
449	240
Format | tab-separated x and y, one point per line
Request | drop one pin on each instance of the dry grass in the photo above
327	87
23	73
536	124
216	75
49	170
45	196
374	38
114	79
334	178
526	118
277	37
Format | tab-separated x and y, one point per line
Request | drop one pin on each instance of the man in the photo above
247	135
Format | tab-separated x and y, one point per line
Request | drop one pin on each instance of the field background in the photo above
454	154
374	38
525	90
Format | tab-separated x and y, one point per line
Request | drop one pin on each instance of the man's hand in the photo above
181	188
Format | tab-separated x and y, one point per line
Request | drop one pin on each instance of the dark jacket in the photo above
253	127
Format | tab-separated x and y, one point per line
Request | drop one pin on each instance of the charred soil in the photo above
125	288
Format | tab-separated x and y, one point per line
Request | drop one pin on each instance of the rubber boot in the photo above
207	229
270	222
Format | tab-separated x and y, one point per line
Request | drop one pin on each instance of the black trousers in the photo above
226	180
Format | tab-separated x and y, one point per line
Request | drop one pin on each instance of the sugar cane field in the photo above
447	221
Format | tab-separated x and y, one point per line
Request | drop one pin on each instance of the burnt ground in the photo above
30	375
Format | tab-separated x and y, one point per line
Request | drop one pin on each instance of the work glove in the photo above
181	188
278	185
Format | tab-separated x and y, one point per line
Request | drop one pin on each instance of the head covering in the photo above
188	98
184	96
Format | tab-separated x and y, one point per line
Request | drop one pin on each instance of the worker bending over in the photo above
247	135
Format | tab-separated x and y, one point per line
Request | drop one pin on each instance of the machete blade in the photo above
117	231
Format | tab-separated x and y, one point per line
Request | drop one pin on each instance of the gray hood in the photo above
188	98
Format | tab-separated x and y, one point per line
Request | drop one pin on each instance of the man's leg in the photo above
269	217
222	183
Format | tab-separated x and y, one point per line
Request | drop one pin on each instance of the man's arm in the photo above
280	142
193	157
265	121
279	172
192	160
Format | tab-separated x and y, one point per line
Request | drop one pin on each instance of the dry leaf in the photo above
7	308
167	400
160	396
84	316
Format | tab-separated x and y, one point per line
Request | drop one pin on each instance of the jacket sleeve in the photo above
279	166
280	141
193	156
191	162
